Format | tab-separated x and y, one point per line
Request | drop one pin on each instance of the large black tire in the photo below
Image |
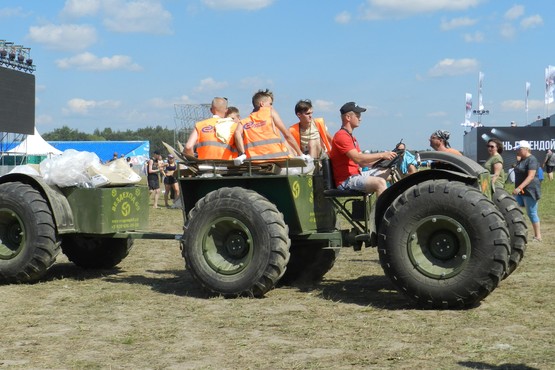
28	243
309	263
95	252
236	243
516	222
444	244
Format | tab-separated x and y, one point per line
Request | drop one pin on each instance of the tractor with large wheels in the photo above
443	236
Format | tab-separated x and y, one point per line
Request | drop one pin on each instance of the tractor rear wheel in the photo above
309	262
444	244
28	243
518	230
236	243
95	252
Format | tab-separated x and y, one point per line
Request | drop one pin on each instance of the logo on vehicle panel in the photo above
296	189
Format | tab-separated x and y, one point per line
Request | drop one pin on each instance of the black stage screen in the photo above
17	101
541	138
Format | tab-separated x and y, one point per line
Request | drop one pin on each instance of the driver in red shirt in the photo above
347	159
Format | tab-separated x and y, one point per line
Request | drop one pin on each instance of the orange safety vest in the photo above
260	138
208	145
295	130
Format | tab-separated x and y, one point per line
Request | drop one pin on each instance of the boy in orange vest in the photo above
311	134
256	136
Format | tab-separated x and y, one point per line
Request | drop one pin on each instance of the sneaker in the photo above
536	240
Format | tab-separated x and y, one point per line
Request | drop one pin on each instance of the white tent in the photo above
34	145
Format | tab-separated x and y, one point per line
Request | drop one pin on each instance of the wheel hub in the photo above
227	245
443	245
236	244
12	236
439	246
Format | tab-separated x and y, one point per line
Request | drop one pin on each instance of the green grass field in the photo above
150	314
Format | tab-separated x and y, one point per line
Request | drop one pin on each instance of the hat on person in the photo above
522	144
156	152
170	156
351	107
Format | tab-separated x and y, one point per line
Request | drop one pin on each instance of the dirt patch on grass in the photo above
149	313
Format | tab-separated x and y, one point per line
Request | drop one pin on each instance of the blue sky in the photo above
123	64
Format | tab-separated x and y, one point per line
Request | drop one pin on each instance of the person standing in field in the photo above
527	185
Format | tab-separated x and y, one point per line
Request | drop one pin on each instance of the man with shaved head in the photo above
209	143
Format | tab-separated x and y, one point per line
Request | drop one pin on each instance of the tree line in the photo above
155	135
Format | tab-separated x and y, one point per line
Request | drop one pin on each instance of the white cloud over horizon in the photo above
237	4
83	107
90	62
453	67
383	9
123	16
66	37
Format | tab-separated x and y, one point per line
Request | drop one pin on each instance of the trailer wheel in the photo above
444	244
28	243
95	252
518	230
309	263
236	243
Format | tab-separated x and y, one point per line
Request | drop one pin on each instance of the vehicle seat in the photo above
330	190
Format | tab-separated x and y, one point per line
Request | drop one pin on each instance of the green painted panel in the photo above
109	210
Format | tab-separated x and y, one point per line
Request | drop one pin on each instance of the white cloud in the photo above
63	37
144	16
323	106
90	62
380	9
532	21
80	8
169	103
519	105
447	25
209	84
237	4
515	12
11	12
343	18
83	107
255	83
453	67
507	31
474	37
124	16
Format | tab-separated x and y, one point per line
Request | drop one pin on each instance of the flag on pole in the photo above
549	84
468	108
527	95
480	84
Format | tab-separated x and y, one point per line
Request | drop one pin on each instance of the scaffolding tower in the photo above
186	115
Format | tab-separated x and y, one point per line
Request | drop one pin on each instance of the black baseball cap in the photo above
351	107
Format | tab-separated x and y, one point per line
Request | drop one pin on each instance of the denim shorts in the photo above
357	182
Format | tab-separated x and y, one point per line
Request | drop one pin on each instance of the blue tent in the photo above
106	149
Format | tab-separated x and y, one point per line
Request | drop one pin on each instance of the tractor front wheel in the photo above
444	244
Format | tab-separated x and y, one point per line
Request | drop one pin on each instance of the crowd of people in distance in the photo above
262	136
